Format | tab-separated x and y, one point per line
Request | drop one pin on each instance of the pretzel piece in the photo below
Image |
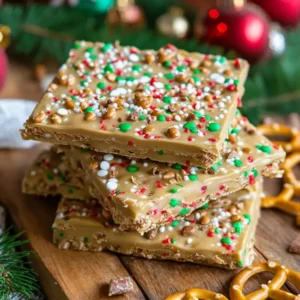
290	162
196	294
281	130
270	290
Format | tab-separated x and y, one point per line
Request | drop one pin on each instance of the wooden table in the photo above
77	275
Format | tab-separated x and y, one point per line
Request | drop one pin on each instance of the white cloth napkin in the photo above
13	114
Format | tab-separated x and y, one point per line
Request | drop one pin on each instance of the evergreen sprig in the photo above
15	274
43	31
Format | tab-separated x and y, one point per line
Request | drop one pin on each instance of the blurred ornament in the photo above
242	28
3	67
277	40
4	36
285	12
95	6
127	13
173	23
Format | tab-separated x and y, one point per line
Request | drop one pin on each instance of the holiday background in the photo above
35	37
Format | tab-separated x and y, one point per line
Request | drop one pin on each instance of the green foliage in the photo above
42	31
15	275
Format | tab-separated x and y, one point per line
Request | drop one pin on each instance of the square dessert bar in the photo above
167	105
142	194
224	239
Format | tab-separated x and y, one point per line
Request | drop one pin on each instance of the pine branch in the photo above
15	274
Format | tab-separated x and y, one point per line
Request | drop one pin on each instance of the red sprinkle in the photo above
250	159
159	184
130	143
251	179
167	241
231	88
210	234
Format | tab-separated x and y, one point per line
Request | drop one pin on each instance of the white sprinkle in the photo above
104	165
162	229
108	157
189	240
111	185
271	264
62	111
102	173
33	173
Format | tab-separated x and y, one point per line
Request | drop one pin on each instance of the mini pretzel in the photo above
289	175
291	188
195	294
281	130
270	290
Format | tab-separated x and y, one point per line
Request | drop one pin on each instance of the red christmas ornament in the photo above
3	67
285	12
244	29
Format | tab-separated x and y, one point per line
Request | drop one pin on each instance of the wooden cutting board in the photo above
85	276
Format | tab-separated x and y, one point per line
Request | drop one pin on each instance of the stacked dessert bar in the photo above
151	155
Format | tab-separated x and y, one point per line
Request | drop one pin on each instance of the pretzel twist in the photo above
270	290
196	294
293	134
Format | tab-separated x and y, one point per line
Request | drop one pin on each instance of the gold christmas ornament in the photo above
173	23
127	13
4	36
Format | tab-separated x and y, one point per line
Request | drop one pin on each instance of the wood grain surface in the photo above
84	275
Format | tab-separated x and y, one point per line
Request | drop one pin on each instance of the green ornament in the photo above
124	127
95	6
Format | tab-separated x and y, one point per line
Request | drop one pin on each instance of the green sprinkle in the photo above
180	68
85	149
173	241
88	110
130	78
90	49
118	192
178	184
213	127
189	125
207	117
238	163
236	82
205	206
120	78
174	202
62	178
248	218
177	166
70	191
196	79
168	87
246	174
54	228
196	71
50	176
147	74
175	223
264	148
106	47
136	68
83	83
142	118
161	118
93	56
61	234
193	177
255	172
226	240
76	46
184	211
240	263
169	76
197	114
173	190
85	239
132	168
124	127
219	163
160	152
108	69
214	168
235	131
167	99
238	227
101	85
217	230
167	64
